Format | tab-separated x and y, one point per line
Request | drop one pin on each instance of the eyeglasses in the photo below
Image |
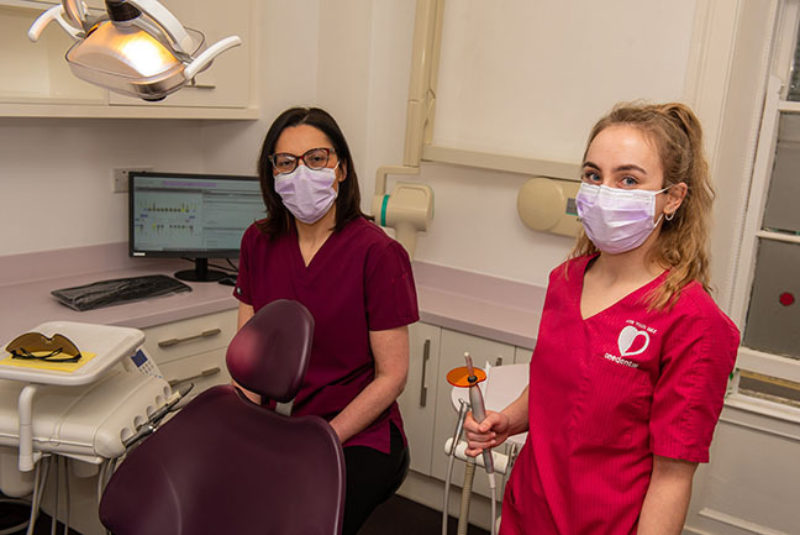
284	163
37	346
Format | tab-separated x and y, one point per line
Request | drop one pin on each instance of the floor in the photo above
13	513
401	516
398	516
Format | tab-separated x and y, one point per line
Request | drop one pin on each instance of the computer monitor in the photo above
199	216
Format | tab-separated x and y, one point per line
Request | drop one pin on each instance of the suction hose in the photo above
462	413
466	494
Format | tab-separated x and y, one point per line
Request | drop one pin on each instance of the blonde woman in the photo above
632	357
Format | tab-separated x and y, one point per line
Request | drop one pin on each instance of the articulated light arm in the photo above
75	12
180	40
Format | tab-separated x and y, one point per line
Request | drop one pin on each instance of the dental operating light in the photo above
137	48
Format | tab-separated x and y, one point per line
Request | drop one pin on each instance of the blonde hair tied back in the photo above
682	245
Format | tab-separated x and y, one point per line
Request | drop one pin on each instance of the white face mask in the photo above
307	193
617	220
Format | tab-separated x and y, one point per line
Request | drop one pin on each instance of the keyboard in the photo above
118	291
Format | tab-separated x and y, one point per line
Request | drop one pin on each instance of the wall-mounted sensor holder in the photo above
548	205
408	209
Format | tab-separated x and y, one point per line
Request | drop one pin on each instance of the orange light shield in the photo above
460	376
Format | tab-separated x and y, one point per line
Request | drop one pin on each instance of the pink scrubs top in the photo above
360	280
606	394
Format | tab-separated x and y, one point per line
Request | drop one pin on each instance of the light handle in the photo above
478	410
479	414
55	13
202	61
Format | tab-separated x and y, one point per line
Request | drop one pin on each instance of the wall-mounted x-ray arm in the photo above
408	209
545	202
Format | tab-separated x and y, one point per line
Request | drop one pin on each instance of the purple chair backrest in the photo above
226	465
258	355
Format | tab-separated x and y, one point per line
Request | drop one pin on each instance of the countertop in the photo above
482	305
478	304
27	280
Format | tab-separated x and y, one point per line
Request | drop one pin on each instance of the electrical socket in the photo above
120	183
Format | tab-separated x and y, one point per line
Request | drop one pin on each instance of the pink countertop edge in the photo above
474	303
478	304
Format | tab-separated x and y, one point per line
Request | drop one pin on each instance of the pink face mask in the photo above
617	220
307	193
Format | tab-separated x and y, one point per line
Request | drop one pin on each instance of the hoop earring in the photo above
669	217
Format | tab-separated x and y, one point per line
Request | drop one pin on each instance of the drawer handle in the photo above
175	341
203	374
423	391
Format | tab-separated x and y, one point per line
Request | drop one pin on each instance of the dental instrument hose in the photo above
462	413
466	492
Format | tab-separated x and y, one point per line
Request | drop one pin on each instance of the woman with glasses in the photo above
632	358
317	247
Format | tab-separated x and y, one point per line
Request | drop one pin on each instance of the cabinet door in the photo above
227	82
451	355
522	355
417	403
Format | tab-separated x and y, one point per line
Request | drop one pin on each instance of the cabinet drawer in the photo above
204	370
179	339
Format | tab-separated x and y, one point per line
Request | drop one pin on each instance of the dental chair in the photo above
226	465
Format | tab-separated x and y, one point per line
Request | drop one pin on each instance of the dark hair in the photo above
348	201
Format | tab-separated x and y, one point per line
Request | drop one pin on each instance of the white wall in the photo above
56	177
351	57
533	84
476	226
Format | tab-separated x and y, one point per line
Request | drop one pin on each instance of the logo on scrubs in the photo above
632	341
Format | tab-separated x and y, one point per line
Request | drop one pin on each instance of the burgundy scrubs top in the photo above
360	280
609	392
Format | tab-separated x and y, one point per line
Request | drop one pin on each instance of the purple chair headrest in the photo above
270	353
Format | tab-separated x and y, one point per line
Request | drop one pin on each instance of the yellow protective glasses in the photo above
36	346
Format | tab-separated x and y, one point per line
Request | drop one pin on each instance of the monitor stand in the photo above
200	273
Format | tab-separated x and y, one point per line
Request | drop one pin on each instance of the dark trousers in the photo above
372	477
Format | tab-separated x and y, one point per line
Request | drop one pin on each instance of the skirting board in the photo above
744	526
